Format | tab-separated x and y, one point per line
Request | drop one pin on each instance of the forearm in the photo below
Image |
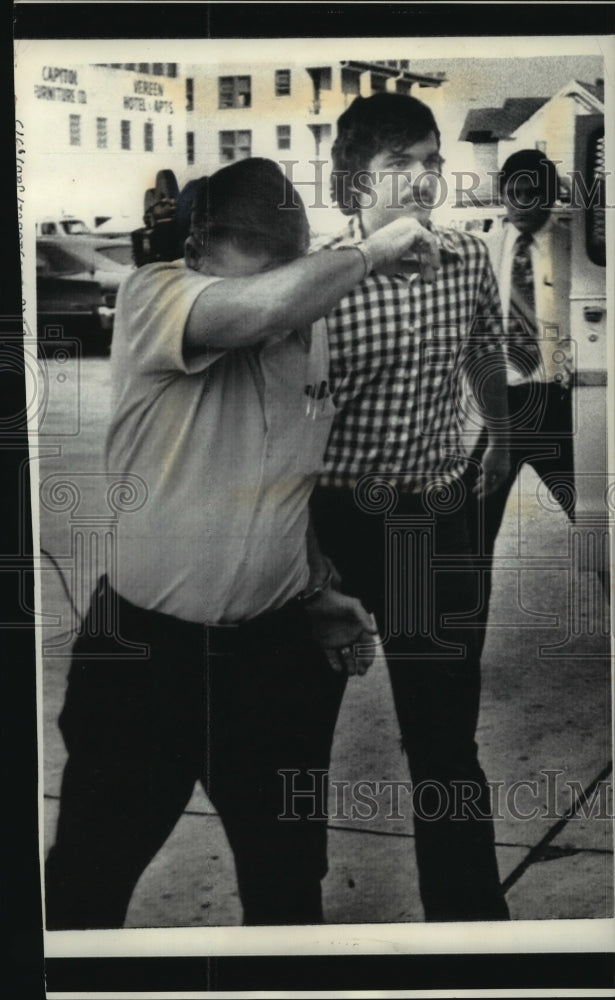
236	312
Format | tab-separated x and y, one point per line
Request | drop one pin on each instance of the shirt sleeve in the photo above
152	310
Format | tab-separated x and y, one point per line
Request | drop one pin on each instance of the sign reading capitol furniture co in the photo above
148	95
54	86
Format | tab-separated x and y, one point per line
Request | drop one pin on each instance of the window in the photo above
125	134
351	84
189	94
321	133
190	147
74	227
234	91
148	137
283	134
171	69
282	82
169	135
378	82
158	69
595	215
235	146
101	133
143	67
321	77
75	129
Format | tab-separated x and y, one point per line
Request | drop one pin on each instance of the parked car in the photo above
64	225
77	279
118	225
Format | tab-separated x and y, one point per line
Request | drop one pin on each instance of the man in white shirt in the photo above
215	650
530	255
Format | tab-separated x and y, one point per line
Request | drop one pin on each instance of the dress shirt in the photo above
550	255
397	348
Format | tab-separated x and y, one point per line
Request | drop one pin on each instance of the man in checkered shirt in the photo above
412	355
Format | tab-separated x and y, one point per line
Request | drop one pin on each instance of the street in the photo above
544	731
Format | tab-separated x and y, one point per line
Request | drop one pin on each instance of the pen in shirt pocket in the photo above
316	392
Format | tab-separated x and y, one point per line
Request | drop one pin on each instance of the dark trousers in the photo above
412	568
228	707
541	424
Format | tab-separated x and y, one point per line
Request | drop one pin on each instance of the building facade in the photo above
546	124
96	134
287	112
102	132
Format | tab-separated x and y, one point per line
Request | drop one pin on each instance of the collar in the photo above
446	237
541	235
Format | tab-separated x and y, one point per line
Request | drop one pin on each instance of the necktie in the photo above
523	347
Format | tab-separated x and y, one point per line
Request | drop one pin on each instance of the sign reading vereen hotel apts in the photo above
148	95
60	84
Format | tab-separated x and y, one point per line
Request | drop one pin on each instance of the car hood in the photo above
109	281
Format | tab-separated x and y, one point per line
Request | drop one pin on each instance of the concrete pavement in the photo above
544	728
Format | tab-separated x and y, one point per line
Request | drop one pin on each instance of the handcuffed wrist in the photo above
313	593
366	254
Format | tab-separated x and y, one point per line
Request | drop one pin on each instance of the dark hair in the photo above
254	205
369	125
183	210
535	165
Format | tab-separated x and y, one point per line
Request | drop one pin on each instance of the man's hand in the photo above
495	469
341	624
404	246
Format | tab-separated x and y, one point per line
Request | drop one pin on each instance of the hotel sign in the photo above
148	95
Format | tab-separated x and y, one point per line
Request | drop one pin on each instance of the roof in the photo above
425	79
492	124
595	89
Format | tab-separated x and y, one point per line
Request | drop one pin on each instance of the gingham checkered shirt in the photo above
397	349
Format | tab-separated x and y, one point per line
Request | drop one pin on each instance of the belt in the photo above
141	625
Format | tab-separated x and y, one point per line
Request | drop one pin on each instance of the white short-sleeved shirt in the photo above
228	445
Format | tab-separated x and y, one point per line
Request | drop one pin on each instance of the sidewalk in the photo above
545	708
539	713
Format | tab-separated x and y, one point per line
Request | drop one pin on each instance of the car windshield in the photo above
74	227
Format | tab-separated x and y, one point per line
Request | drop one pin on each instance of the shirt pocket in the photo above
313	430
